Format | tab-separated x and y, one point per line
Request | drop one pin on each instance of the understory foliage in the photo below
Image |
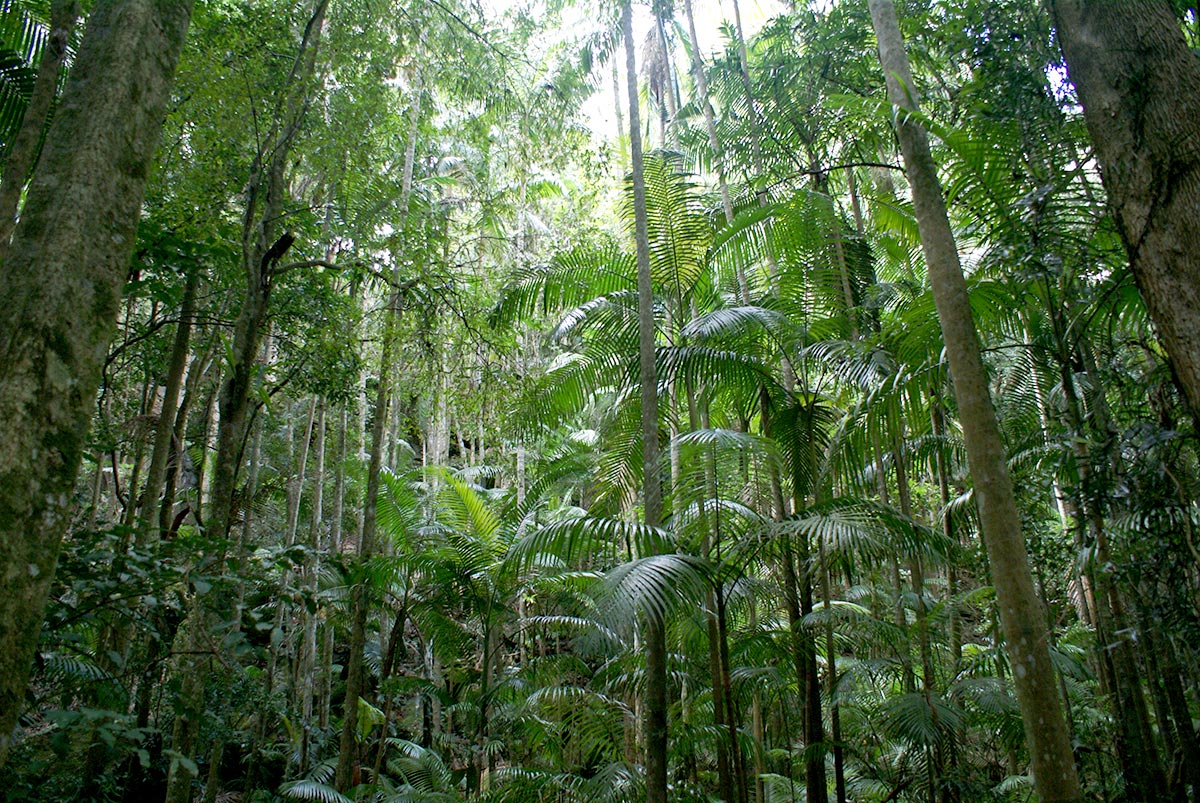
452	211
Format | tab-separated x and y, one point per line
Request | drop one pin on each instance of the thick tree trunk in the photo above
1139	84
1054	773
61	284
656	638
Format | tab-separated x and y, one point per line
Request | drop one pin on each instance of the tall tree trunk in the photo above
61	284
1139	84
710	126
234	407
1135	743
306	661
1054	773
355	675
730	779
831	654
262	250
156	476
331	546
655	710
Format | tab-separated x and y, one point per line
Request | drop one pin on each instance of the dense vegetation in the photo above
450	448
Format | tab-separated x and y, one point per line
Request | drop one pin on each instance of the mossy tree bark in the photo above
1025	633
61	282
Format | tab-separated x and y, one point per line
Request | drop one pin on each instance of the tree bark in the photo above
22	156
355	674
61	283
656	638
1055	778
262	249
1139	84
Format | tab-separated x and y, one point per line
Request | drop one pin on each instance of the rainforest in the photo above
599	401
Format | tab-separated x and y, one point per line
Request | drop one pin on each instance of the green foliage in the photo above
806	415
23	33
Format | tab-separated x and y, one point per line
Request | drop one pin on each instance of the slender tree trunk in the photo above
306	662
1172	677
262	250
333	545
1139	84
280	648
655	709
731	780
1049	742
831	655
235	405
156	477
355	675
61	284
199	373
1136	748
710	126
22	155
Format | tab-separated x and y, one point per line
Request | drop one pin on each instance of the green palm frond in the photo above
569	280
312	790
655	586
699	366
864	530
461	505
587	539
679	230
63	668
920	720
23	34
727	441
985	695
398	509
742	325
420	768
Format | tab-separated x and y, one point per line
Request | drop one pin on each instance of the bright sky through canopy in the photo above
710	16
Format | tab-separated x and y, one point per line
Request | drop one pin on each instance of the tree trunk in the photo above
306	661
156	476
1135	743
61	283
1139	84
656	637
262	250
1054	773
22	156
348	747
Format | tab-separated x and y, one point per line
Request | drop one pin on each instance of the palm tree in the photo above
1054	768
